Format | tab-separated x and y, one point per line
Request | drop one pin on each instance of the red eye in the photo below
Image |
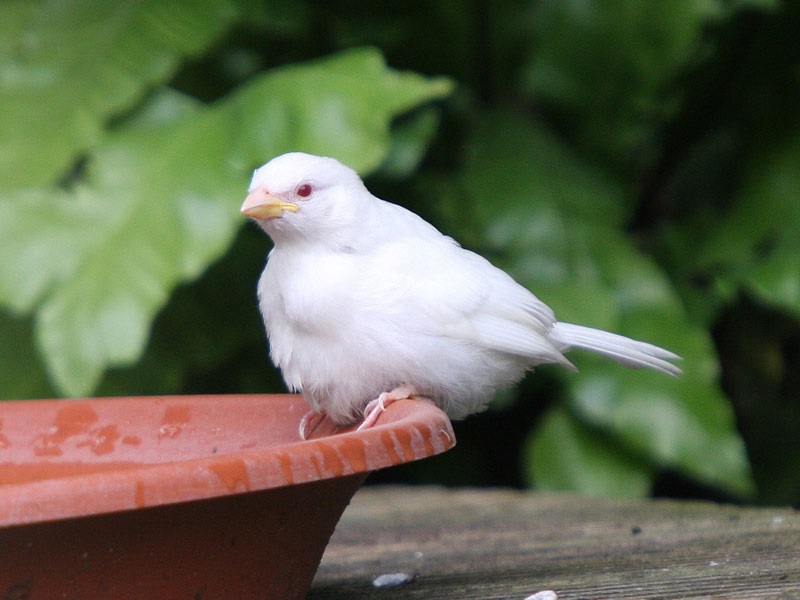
304	190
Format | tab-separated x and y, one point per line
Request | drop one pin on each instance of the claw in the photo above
309	423
375	407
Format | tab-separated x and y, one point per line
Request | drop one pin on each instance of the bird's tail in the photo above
631	353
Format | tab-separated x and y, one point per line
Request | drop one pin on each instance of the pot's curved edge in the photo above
408	430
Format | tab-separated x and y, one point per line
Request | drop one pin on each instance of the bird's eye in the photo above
304	190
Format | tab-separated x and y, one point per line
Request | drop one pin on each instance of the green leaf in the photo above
204	341
756	244
410	139
340	107
606	65
541	210
67	67
514	162
563	454
163	207
159	203
557	222
682	424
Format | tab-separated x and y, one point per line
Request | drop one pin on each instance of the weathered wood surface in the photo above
507	544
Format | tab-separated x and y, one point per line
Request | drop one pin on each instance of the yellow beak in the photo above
260	204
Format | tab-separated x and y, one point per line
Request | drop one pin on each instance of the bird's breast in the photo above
308	294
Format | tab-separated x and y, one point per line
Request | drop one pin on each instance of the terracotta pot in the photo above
183	496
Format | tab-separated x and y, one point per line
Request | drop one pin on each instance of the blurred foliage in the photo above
636	164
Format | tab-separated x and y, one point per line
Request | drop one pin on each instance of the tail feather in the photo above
628	352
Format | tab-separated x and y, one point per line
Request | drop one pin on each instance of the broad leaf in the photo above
575	256
757	242
67	67
410	140
606	65
341	108
563	454
160	197
682	423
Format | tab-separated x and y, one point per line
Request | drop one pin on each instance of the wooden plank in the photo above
510	544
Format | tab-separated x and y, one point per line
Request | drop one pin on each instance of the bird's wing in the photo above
500	314
456	293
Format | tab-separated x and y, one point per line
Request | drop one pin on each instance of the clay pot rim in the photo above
408	430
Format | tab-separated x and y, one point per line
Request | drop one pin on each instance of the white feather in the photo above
631	353
360	296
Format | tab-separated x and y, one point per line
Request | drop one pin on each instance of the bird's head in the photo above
299	195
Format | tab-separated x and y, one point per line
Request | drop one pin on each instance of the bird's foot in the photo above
309	423
375	407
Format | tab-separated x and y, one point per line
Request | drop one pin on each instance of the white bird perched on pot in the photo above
364	302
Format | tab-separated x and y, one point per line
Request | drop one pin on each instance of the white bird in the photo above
364	302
